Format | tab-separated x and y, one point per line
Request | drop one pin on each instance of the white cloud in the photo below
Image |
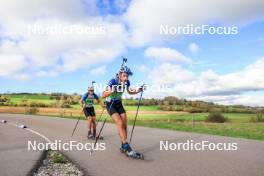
166	54
142	68
70	9
68	52
211	86
248	100
44	73
245	99
11	64
62	52
144	17
168	73
193	47
99	71
21	77
23	56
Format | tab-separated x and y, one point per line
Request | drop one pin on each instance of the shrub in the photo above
215	117
31	110
61	104
33	104
178	108
37	104
4	99
56	157
24	103
258	118
194	110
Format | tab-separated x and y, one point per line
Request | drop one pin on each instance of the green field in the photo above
241	130
17	98
238	125
33	97
128	108
46	100
200	117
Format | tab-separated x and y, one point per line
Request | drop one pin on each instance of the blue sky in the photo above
225	69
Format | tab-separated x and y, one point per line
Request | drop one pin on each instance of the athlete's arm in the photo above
81	103
99	101
107	92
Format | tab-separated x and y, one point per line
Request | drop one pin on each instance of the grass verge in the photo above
238	124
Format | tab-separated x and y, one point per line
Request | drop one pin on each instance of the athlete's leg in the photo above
93	125
89	125
120	126
124	119
89	122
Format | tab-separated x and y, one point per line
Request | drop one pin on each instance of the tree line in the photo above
169	103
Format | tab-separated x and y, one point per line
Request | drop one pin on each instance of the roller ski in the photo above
93	137
126	149
90	137
99	137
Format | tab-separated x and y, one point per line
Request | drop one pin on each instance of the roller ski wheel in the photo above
100	137
90	137
132	154
94	138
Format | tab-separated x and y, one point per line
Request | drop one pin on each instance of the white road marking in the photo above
39	134
30	130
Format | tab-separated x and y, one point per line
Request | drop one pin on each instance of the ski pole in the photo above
97	137
100	117
77	123
139	101
124	61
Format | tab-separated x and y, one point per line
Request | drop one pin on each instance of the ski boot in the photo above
126	149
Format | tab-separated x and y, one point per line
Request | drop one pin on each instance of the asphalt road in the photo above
247	160
15	159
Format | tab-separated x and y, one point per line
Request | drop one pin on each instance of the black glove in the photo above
142	88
